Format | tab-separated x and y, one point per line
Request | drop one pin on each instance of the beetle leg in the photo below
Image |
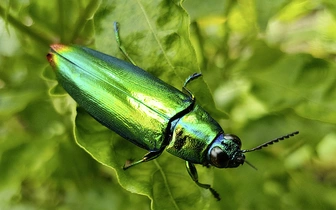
189	79
149	156
194	175
121	47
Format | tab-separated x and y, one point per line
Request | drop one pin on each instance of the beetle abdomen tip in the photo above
57	47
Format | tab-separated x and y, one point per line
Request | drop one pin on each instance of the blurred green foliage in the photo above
268	65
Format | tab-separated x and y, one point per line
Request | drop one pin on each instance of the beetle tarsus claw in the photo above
215	194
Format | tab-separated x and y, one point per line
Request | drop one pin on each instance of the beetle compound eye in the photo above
219	158
233	138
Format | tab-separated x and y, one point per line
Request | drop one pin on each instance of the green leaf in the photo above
159	42
164	180
269	65
290	76
157	45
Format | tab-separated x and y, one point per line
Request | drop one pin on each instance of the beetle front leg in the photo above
189	79
149	156
194	175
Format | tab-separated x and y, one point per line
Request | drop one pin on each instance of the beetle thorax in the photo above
192	134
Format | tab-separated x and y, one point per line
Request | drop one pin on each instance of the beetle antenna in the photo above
250	164
270	142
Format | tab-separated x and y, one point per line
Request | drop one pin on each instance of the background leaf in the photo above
269	67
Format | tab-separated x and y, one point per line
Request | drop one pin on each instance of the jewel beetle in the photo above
145	110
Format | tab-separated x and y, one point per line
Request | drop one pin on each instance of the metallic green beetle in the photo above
145	110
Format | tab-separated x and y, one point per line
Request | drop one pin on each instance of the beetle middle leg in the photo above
147	157
189	79
194	175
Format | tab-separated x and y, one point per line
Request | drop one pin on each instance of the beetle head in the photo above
225	152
